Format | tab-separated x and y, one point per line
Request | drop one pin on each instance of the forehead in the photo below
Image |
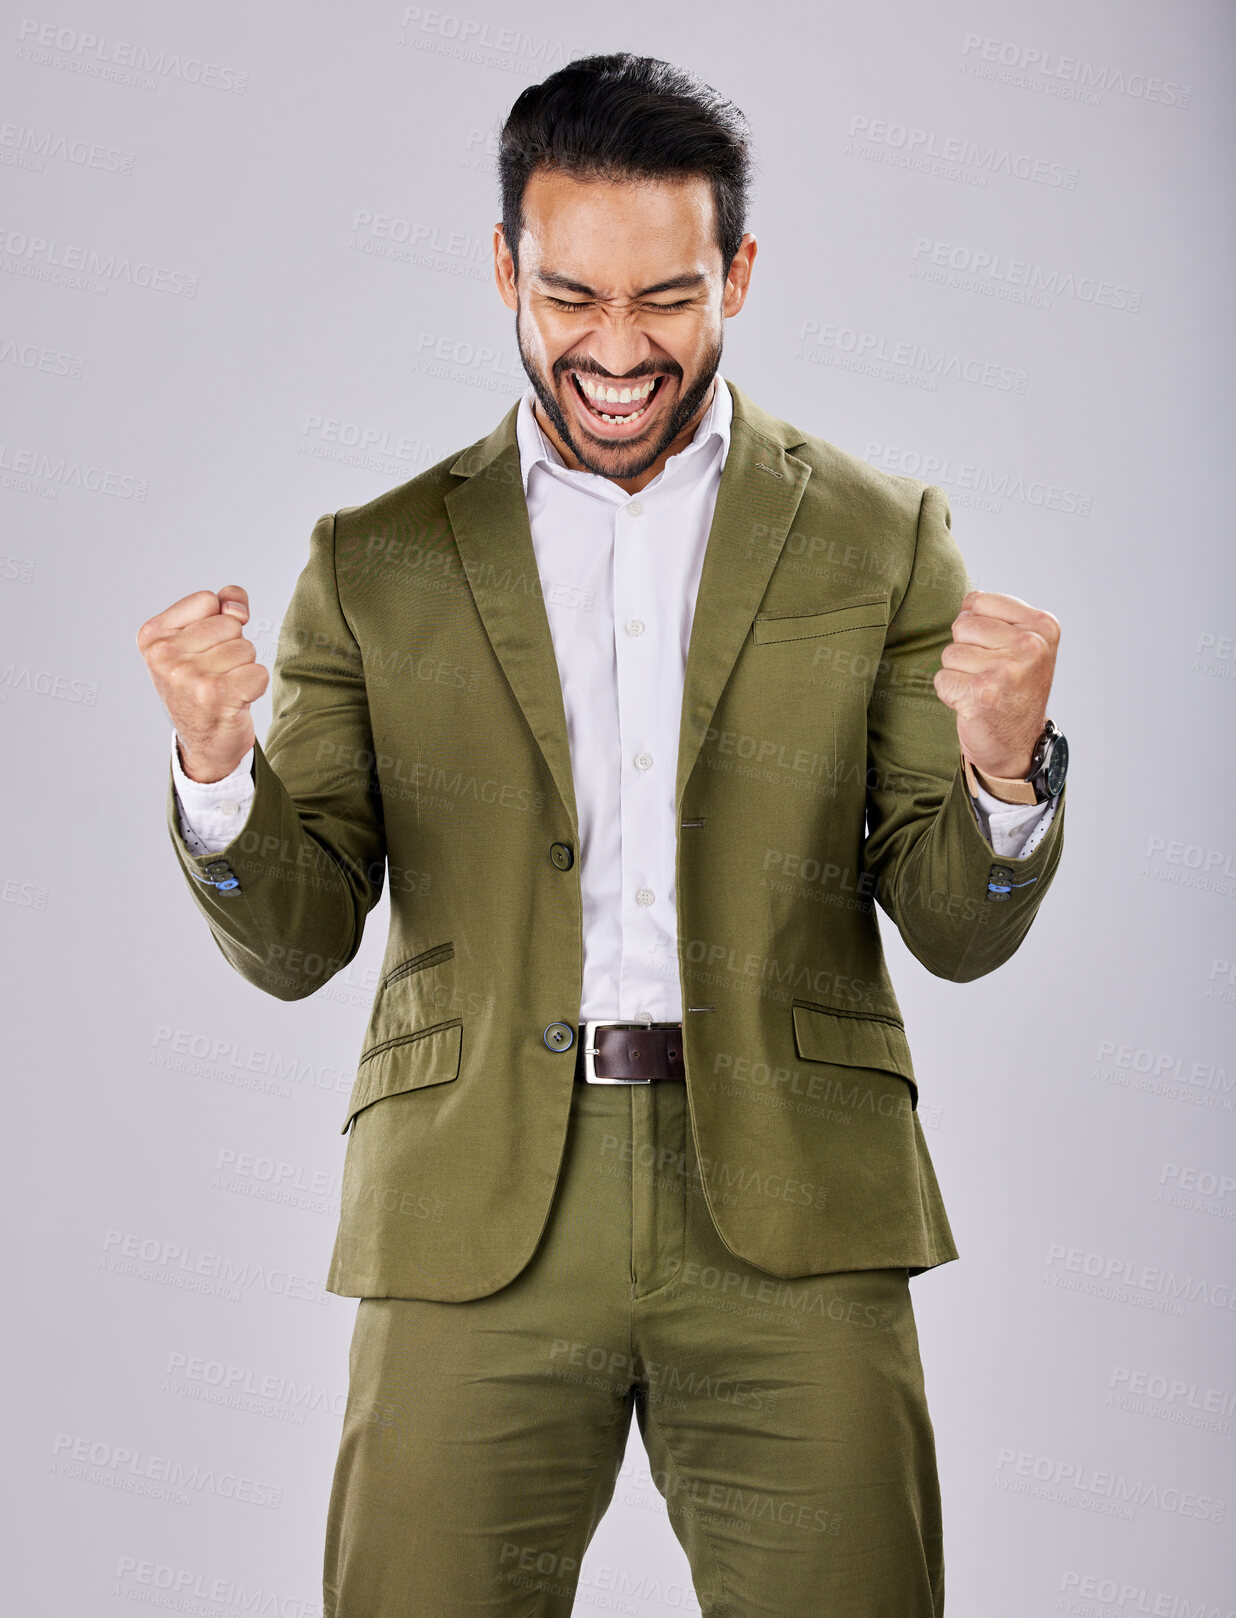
618	233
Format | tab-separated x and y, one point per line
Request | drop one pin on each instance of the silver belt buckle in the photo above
591	1076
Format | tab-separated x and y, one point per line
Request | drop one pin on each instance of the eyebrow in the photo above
675	283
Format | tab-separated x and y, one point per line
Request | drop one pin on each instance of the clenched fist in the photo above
997	674
206	674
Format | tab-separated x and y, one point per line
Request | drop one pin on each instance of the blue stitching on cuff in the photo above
228	881
1007	887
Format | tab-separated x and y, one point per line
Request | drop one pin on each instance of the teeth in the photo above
607	395
604	394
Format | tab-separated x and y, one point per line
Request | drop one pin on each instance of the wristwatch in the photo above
1049	764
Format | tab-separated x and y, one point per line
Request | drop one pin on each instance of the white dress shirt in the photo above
619	577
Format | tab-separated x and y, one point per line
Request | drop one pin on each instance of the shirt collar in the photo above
535	449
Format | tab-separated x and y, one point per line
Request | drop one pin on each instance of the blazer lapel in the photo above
489	517
761	486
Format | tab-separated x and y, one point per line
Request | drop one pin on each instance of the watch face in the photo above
1057	764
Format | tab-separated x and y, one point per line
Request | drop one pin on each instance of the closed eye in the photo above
658	308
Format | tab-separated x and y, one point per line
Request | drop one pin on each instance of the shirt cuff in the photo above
212	812
1013	829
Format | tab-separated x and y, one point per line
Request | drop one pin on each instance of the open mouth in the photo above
616	408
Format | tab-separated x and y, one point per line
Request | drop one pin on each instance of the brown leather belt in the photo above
629	1053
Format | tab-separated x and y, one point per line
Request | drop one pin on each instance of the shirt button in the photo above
229	807
643	761
634	509
635	626
644	896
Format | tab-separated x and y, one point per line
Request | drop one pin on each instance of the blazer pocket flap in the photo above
868	612
851	1041
407	1062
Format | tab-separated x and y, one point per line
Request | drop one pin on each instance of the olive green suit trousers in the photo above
785	1422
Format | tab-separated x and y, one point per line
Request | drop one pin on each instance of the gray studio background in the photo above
245	255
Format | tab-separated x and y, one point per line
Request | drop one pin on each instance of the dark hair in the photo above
625	117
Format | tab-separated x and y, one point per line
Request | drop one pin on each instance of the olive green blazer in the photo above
418	738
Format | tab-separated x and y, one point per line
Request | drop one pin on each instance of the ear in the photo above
504	269
738	277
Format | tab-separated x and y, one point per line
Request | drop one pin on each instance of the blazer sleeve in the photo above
286	898
961	908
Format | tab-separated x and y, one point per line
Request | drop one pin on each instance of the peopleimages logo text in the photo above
984	265
1038	63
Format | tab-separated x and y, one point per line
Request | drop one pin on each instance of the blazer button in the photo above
221	877
561	855
559	1036
1000	882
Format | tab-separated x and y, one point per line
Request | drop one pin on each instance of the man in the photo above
645	701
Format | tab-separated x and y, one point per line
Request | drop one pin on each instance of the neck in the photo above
635	484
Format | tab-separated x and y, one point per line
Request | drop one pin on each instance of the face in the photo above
619	303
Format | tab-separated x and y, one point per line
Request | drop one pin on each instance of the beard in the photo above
633	457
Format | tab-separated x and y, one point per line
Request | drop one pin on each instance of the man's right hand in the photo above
206	674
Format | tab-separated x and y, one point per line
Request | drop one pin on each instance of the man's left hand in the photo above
997	674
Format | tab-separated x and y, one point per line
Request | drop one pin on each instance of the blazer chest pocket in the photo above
849	1039
868	611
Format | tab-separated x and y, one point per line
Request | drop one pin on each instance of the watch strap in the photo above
1011	789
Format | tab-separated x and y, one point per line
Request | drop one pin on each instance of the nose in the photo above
618	346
